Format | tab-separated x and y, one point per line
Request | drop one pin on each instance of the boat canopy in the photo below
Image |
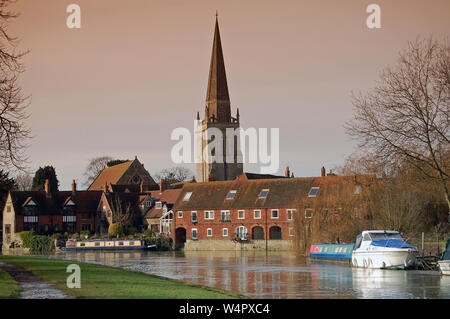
446	253
392	243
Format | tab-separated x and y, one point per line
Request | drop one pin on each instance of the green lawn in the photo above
9	288
106	282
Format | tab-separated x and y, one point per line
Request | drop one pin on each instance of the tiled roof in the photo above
110	175
169	196
86	201
283	192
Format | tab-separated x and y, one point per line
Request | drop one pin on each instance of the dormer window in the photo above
263	193
358	190
313	192
231	194
187	196
158	205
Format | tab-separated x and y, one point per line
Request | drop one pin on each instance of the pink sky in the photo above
138	69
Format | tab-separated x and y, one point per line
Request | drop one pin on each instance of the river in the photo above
274	275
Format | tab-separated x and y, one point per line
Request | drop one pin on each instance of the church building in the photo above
218	133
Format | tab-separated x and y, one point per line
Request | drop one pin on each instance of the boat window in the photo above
97	244
121	243
366	237
82	244
358	242
131	243
385	236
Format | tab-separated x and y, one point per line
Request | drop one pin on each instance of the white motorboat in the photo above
383	249
444	262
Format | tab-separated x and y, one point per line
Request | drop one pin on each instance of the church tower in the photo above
224	164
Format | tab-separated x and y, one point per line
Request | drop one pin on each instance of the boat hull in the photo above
384	259
444	266
108	248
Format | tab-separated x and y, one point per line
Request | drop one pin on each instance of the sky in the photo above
138	69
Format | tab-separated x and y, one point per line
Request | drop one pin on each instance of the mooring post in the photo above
423	245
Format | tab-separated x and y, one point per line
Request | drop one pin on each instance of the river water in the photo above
274	275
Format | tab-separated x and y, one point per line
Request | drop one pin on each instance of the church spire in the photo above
217	97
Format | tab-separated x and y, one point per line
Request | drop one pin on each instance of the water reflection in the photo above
274	275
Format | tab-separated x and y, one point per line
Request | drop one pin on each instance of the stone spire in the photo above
217	97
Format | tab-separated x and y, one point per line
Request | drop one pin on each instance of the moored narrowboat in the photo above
338	252
107	244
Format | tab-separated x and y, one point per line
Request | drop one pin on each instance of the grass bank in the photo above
107	282
9	288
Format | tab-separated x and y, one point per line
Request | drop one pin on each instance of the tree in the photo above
95	166
24	182
115	230
122	211
116	162
13	130
405	118
174	175
6	184
48	172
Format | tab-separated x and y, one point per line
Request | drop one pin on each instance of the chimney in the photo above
287	173
106	188
47	188
323	171
163	185
74	187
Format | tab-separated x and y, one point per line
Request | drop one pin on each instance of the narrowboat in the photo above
339	252
125	244
444	262
384	249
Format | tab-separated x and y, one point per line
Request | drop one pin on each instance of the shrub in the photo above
85	233
132	230
115	230
36	243
164	243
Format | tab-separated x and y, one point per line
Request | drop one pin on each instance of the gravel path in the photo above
32	286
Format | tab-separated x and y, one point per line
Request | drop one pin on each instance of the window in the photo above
308	213
120	243
209	232
8	209
180	214
291	231
263	193
97	244
209	214
187	196
241	214
158	205
131	243
225	216
274	213
7	229
82	244
225	232
148	203
241	233
290	214
257	214
231	194
358	190
313	192
194	217
86	227
194	233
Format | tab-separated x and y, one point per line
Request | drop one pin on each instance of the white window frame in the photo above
196	216
227	212
187	196
224	232
209	215
243	214
209	232
233	191
318	189
262	190
292	211
180	214
308	209
254	214
278	213
192	233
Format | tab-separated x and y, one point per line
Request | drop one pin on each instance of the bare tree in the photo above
122	212
94	168
405	118
13	131
24	181
174	174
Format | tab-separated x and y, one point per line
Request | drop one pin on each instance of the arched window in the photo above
257	233
241	233
275	232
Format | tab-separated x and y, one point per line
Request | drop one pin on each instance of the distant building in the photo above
48	212
122	177
218	116
259	213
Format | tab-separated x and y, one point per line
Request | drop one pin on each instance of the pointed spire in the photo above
217	97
